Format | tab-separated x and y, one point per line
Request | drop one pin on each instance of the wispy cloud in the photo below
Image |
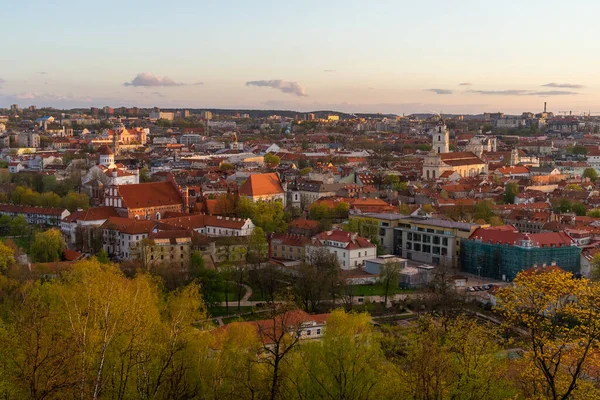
146	79
521	92
439	91
328	70
279	84
42	72
465	84
2	81
564	85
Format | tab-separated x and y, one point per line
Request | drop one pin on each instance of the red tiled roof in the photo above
460	158
92	214
11	208
129	226
508	234
303	223
290	239
261	185
351	240
152	194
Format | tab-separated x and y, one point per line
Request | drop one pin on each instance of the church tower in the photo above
514	157
441	138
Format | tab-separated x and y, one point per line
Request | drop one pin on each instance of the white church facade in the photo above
440	159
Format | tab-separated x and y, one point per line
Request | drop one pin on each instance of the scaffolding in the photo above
504	262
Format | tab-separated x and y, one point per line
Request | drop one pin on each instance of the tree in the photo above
595	267
483	210
428	208
391	180
272	160
18	226
594	213
562	321
590	173
347	363
404	209
495	221
47	246
7	257
447	358
579	150
564	205
5	222
74	201
579	209
510	192
102	257
389	277
573	186
225	167
280	335
144	175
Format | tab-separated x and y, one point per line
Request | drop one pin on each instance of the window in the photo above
436	240
444	241
417	246
318	331
308	332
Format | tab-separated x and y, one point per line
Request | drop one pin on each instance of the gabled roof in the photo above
261	185
152	194
129	226
510	235
92	214
351	240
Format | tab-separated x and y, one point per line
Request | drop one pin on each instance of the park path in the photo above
244	302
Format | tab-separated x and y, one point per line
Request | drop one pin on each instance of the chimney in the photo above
544	106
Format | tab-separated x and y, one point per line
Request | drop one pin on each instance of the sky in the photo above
394	56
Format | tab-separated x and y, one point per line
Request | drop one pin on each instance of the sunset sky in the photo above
355	56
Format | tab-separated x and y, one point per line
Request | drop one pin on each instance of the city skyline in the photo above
390	57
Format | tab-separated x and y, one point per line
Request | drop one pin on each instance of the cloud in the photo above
2	81
563	85
439	91
279	84
146	79
42	72
521	92
328	70
465	84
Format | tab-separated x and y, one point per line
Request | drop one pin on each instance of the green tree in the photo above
594	213
579	150
102	257
47	246
590	173
579	209
510	192
483	210
272	160
144	175
74	201
18	226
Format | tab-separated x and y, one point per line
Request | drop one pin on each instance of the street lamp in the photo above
479	273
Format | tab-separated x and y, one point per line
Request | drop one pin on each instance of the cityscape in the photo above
412	213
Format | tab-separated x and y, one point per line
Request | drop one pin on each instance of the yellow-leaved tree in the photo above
561	320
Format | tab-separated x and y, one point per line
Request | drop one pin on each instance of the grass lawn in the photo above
377	290
219	311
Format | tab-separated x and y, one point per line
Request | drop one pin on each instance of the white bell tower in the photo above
441	138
